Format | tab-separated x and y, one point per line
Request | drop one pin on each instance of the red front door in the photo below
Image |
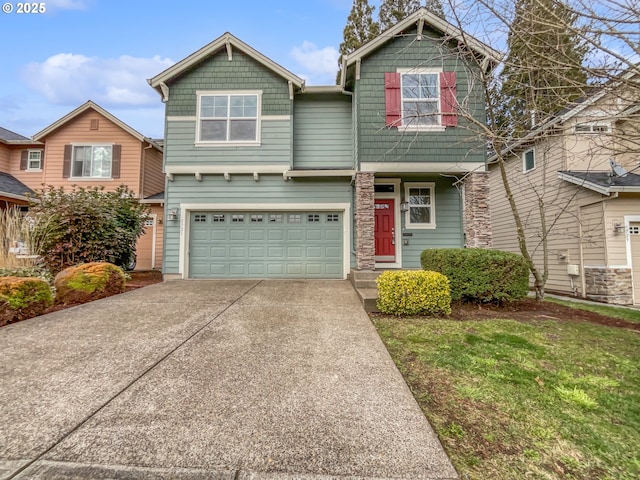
385	231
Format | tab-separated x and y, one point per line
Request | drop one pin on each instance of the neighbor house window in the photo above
421	205
528	160
229	117
34	160
592	128
92	161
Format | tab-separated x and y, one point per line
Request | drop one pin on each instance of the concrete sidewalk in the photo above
210	379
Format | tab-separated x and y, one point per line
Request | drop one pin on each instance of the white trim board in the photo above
421	167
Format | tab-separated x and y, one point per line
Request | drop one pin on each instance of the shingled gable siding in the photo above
379	143
218	73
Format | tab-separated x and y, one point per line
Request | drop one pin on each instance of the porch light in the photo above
172	215
404	207
618	228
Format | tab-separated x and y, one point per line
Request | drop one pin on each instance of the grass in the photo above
628	314
538	400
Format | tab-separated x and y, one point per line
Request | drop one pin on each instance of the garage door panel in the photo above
266	244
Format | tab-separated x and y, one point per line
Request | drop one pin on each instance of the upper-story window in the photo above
34	160
592	128
229	118
420	99
528	160
92	161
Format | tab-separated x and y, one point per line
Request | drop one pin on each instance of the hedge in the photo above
413	292
479	275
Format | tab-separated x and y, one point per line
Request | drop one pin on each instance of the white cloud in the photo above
320	64
70	79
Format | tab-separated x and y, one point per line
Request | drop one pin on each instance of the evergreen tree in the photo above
543	70
393	11
359	30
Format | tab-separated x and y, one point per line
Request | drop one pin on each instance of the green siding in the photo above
218	73
448	232
242	189
378	143
275	147
322	132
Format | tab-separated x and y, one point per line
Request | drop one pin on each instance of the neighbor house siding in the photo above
593	238
322	132
5	155
243	189
448	232
33	179
561	201
378	143
615	211
151	176
275	147
77	131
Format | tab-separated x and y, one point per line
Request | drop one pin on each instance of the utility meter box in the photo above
573	270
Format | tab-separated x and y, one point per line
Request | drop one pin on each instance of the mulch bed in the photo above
529	309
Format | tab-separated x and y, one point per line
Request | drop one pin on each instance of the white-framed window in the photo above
420	198
420	91
228	118
592	128
528	160
91	161
34	160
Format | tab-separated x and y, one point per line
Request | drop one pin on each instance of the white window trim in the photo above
211	143
591	125
73	154
407	214
39	169
421	128
524	160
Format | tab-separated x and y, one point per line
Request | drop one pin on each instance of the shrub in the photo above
88	225
478	275
35	271
23	298
23	236
88	282
413	292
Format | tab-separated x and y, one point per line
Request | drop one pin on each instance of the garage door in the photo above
266	244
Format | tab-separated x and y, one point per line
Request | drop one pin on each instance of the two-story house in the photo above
579	166
91	147
268	177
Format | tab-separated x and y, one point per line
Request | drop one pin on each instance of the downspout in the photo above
583	281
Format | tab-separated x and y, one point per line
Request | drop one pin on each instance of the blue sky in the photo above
104	50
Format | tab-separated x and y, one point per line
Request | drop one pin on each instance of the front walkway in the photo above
210	379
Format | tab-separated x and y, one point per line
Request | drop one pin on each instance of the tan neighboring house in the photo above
90	147
581	164
13	147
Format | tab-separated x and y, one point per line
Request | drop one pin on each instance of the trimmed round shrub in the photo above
413	292
478	275
87	282
22	298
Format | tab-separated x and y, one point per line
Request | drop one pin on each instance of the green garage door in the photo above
266	244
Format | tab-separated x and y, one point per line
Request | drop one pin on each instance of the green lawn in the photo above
628	314
538	400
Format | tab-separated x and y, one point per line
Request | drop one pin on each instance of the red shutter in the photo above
66	166
24	159
448	99
393	99
116	154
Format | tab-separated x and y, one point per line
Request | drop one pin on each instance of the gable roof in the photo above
12	138
11	187
228	42
420	18
603	182
89	105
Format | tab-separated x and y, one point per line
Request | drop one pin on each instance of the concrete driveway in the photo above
210	379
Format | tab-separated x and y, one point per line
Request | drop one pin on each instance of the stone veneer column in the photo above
611	285
365	221
477	218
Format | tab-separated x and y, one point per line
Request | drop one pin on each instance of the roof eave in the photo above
220	42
